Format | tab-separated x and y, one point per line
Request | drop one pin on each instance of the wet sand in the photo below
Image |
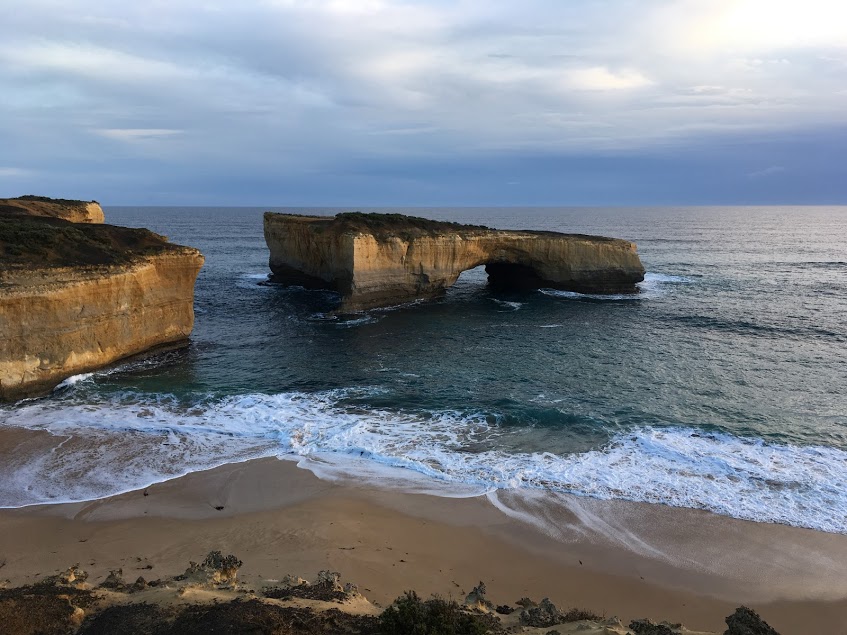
618	558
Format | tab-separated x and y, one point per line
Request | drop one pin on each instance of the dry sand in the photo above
626	559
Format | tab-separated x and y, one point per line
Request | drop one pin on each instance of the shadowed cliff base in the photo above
377	260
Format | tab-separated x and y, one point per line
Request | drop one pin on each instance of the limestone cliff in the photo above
377	260
74	298
69	210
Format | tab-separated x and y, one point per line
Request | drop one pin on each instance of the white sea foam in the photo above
513	306
134	440
252	280
73	380
367	318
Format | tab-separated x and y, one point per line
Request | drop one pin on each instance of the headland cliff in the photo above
376	260
75	297
69	210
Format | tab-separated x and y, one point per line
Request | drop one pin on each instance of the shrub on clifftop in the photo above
409	615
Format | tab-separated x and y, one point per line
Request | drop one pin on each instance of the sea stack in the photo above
75	297
377	260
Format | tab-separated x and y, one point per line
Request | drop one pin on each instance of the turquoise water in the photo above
721	386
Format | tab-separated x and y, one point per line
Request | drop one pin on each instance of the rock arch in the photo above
376	260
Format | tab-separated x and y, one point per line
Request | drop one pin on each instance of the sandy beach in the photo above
615	558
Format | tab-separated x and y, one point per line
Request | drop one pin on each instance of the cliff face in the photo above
69	307
376	262
72	211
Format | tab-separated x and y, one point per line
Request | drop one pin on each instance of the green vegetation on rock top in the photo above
39	242
406	227
47	199
397	223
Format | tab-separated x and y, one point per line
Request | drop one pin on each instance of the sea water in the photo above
721	385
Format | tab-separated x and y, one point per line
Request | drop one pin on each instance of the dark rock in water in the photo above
139	585
646	627
505	609
746	621
526	603
541	616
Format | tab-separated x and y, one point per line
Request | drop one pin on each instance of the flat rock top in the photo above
410	227
43	206
39	244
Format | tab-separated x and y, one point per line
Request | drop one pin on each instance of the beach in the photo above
616	558
671	454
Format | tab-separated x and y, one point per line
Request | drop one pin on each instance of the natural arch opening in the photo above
508	275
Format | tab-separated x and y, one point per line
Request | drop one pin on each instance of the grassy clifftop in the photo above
398	224
68	202
380	225
37	242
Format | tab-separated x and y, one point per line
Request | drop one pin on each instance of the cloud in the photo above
136	134
318	86
7	172
601	78
769	171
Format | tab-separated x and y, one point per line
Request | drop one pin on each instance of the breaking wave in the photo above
73	450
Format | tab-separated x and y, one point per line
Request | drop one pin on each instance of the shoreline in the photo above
631	560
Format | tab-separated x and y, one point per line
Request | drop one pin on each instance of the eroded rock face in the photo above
69	210
75	298
378	260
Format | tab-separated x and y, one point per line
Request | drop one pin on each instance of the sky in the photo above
425	103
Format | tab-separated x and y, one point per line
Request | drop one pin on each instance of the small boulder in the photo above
216	569
646	627
746	621
351	590
290	581
541	616
329	580
114	581
476	599
73	576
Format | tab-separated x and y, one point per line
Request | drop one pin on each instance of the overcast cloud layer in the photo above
383	102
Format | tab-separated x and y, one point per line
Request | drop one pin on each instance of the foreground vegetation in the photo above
67	605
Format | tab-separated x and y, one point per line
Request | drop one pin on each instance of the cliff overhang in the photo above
376	260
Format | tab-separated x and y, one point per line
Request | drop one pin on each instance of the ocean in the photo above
721	385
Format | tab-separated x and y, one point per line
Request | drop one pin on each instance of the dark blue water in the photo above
722	385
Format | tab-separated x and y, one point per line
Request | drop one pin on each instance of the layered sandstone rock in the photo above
74	298
69	210
376	260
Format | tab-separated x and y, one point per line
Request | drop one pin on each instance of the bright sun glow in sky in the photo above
414	102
